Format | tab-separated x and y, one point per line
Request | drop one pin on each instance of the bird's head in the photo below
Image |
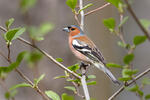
73	30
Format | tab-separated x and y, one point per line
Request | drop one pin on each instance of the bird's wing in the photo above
91	52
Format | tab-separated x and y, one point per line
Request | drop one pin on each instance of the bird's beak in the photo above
66	29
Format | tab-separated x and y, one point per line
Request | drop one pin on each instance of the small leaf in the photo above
129	72
27	4
110	24
72	3
123	21
9	23
146	81
113	65
74	67
11	94
139	39
128	58
133	88
36	81
91	76
147	97
57	77
13	34
65	96
145	23
52	95
91	83
70	88
59	59
116	3
20	85
140	92
85	7
124	79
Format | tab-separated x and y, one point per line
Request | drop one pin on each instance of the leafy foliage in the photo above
85	7
9	22
36	81
70	88
117	3
123	21
113	65
59	59
145	23
52	95
72	3
139	39
128	58
38	33
14	65
20	85
13	34
27	4
110	24
65	96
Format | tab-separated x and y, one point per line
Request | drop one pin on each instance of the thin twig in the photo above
137	20
92	11
83	79
76	18
45	53
129	83
8	48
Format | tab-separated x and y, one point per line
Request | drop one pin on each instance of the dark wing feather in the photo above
92	53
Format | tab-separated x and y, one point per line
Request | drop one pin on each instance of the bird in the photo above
85	50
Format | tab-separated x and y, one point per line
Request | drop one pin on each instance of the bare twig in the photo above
137	20
76	18
92	11
83	79
129	83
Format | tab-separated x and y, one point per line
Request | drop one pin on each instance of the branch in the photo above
83	79
137	20
46	54
129	83
92	11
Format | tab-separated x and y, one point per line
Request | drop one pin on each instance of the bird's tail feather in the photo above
107	72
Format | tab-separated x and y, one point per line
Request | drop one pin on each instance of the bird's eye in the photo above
72	29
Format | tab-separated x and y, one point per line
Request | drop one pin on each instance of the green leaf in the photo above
123	21
65	96
36	81
70	88
134	88
27	4
72	3
11	94
110	24
128	58
33	57
145	23
9	23
91	83
74	67
124	79
129	72
13	34
85	7
139	39
146	81
57	77
113	65
38	33
59	59
91	76
147	97
14	65
140	92
20	85
116	3
121	44
52	95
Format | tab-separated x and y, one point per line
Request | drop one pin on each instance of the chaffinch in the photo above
84	49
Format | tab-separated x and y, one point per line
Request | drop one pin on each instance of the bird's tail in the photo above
107	72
